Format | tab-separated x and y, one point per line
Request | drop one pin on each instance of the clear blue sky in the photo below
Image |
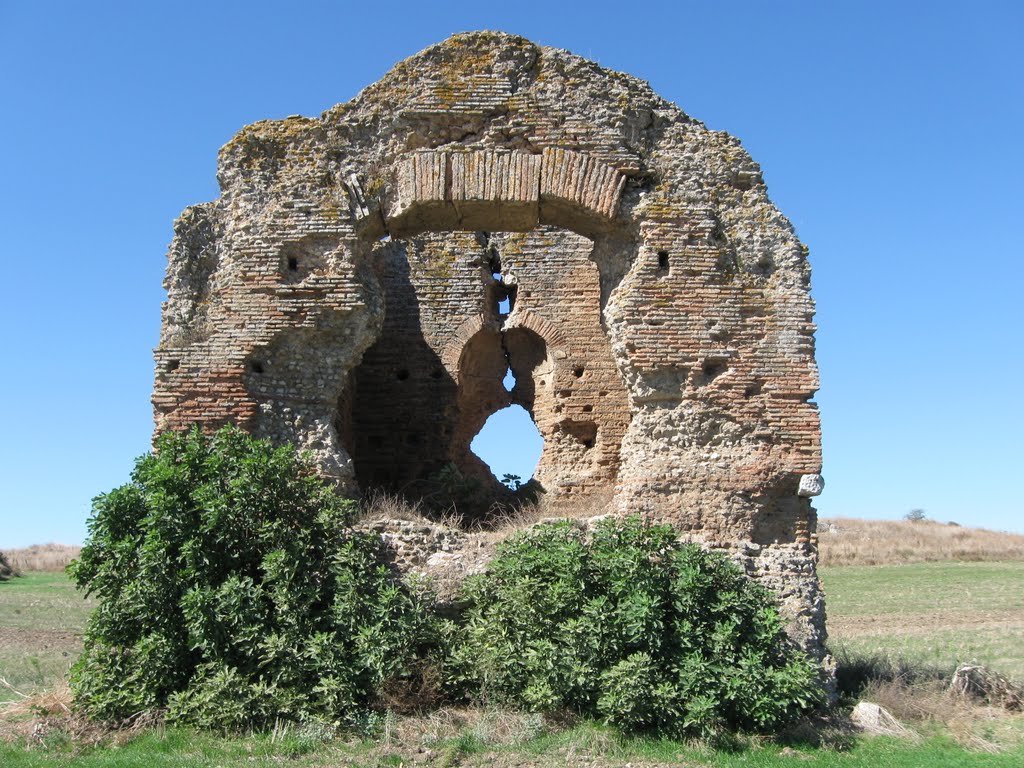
890	134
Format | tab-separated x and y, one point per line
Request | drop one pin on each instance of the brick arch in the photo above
521	318
452	352
500	190
552	335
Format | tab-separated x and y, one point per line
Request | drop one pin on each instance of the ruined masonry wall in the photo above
343	293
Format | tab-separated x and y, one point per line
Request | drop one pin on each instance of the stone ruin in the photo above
367	278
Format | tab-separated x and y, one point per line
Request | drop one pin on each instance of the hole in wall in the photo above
510	444
402	374
662	263
505	298
451	403
172	365
256	366
763	266
583	432
711	370
293	264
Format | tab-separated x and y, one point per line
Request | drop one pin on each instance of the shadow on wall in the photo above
405	421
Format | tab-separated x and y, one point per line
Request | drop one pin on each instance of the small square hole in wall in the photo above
662	263
256	366
712	369
293	264
172	365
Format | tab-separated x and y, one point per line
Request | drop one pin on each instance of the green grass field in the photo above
582	746
938	613
42	616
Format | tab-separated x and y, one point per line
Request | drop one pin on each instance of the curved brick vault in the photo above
343	294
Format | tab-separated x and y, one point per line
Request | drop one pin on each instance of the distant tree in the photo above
6	569
914	515
512	482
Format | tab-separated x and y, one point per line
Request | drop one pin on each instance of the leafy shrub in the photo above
632	626
233	593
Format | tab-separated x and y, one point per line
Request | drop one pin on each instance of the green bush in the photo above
630	625
6	569
233	593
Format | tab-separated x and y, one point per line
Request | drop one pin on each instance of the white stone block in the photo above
811	485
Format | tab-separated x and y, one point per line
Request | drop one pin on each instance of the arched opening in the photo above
510	444
492	369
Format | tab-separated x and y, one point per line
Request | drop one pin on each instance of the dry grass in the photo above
847	541
480	537
54	701
501	519
488	725
926	699
972	722
381	505
52	558
31	720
